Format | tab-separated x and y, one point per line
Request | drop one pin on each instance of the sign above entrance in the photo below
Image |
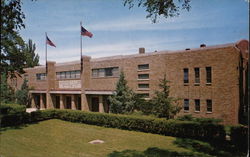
70	84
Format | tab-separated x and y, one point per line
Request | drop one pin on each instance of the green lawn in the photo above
57	138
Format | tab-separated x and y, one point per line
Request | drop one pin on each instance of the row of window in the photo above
198	105
105	72
197	75
68	74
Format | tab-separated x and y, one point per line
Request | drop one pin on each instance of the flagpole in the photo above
81	45
46	52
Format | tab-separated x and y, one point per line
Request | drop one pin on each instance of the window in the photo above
143	76
197	104
143	85
186	105
105	72
197	75
68	74
144	95
108	72
41	76
209	74
78	74
209	105
143	66
95	72
185	71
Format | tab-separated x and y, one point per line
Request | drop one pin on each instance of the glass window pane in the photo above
143	66
67	74
108	72
197	75
101	72
209	74
143	85
185	75
186	104
73	74
143	76
115	71
197	105
95	72
78	74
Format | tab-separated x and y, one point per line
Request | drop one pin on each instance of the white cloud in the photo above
122	48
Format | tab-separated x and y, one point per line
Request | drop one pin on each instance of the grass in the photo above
54	138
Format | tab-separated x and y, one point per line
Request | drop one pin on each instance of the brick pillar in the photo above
84	103
85	78
51	80
42	106
49	101
73	102
61	101
101	108
33	104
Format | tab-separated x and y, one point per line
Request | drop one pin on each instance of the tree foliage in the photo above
156	8
162	104
22	95
6	92
32	59
12	58
123	99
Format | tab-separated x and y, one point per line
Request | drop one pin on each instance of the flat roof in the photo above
141	55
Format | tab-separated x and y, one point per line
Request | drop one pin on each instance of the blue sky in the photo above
120	31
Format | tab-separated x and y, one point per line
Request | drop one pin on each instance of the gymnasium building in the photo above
210	81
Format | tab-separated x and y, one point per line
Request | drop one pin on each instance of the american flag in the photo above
49	42
84	32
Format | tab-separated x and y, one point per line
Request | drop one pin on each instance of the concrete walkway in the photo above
31	109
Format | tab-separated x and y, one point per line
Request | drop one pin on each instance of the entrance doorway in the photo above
68	102
95	104
37	101
79	103
57	102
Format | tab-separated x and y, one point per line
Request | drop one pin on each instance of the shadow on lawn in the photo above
222	148
15	127
155	152
196	149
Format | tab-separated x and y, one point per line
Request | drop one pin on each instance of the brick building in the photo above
210	81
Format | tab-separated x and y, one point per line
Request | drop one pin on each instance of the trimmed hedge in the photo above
175	128
12	114
186	129
239	137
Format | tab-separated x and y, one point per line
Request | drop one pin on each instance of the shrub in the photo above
189	117
145	124
12	114
239	137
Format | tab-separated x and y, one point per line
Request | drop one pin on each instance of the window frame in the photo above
197	103
185	75
208	75
186	105
197	75
141	67
141	86
209	102
138	77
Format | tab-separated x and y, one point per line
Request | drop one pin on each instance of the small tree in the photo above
162	104
123	99
6	92
22	95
